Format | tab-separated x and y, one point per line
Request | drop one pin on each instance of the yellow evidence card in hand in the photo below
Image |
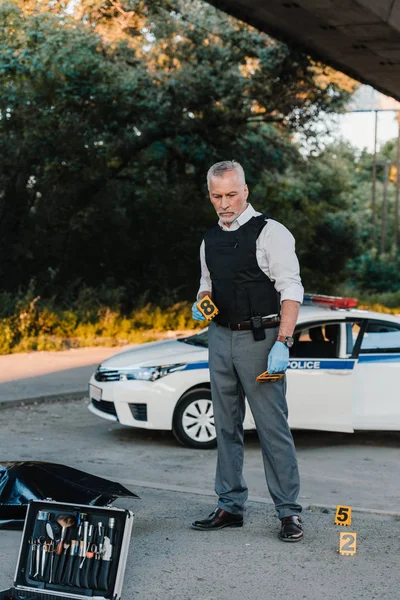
347	543
207	308
269	377
343	515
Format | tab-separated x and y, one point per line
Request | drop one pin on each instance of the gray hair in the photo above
220	168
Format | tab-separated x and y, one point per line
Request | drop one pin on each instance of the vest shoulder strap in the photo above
257	224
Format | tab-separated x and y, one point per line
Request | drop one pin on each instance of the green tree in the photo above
372	271
110	117
314	197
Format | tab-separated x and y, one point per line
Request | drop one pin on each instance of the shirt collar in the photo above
245	216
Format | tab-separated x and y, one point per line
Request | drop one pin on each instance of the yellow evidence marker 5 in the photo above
207	308
347	543
343	515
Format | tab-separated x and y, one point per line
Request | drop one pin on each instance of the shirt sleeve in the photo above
282	264
205	279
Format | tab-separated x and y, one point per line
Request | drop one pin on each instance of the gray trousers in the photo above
235	360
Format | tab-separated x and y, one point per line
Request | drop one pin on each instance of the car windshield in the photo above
199	339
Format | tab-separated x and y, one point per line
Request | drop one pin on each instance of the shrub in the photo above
30	323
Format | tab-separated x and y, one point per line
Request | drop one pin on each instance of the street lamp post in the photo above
396	202
373	199
386	165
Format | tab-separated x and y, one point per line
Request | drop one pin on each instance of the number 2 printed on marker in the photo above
347	543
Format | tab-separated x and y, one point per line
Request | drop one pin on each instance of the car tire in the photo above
193	422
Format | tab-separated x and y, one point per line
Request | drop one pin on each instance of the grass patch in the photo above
385	303
29	323
36	325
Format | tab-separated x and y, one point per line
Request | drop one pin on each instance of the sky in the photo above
358	127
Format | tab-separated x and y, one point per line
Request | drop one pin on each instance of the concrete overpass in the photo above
359	37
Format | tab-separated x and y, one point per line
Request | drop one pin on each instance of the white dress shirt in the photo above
276	257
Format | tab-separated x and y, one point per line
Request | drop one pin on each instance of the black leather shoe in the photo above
218	519
291	530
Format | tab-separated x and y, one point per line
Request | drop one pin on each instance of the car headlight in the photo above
149	373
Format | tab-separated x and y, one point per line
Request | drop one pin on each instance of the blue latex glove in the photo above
278	358
196	314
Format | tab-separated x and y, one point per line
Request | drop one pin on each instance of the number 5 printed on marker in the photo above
343	515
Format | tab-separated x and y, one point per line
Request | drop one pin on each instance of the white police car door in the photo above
320	379
377	377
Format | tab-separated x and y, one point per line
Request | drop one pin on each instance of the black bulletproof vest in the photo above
239	288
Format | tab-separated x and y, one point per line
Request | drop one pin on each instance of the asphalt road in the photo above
361	469
169	561
48	374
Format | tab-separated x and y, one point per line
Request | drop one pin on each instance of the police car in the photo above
343	375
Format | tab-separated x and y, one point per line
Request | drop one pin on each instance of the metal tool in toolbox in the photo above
67	553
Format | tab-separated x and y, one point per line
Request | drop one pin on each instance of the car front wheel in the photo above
193	423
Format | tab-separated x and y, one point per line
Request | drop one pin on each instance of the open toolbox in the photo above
71	551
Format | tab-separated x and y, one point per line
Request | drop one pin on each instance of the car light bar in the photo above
332	301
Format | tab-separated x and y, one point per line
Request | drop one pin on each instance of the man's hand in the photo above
278	358
196	314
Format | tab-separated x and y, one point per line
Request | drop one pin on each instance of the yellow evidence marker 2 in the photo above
343	515
347	543
207	308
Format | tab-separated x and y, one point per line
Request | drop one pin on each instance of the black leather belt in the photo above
266	323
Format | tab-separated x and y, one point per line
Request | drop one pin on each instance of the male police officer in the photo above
250	269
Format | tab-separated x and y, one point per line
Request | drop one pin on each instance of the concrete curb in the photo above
258	499
372	511
64	397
